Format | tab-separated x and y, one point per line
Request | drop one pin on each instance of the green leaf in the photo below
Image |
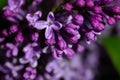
112	44
2	3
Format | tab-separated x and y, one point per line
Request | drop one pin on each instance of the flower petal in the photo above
69	19
57	53
34	63
15	51
12	4
40	25
48	33
69	52
23	61
50	17
29	54
56	26
39	13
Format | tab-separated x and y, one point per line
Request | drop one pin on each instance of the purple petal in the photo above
39	13
80	48
32	76
50	17
23	61
15	3
17	68
57	53
10	45
29	54
14	73
12	4
33	63
28	17
9	65
8	53
48	33
2	39
69	52
56	26
26	75
15	51
32	18
40	25
69	19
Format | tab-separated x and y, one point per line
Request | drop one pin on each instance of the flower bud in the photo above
50	41
71	31
111	20
78	19
90	36
116	9
13	28
98	17
68	7
97	9
74	39
89	3
19	37
69	52
117	17
73	26
61	44
80	3
57	53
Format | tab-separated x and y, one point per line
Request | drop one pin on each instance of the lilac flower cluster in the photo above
40	31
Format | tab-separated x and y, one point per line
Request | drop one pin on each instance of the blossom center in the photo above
49	23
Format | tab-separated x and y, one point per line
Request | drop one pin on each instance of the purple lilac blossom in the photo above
13	10
50	24
41	41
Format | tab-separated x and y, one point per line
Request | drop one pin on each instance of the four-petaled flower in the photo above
50	25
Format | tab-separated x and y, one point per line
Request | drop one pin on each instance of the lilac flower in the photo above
50	25
30	73
32	19
13	50
31	55
14	10
14	69
35	36
91	36
75	22
14	5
